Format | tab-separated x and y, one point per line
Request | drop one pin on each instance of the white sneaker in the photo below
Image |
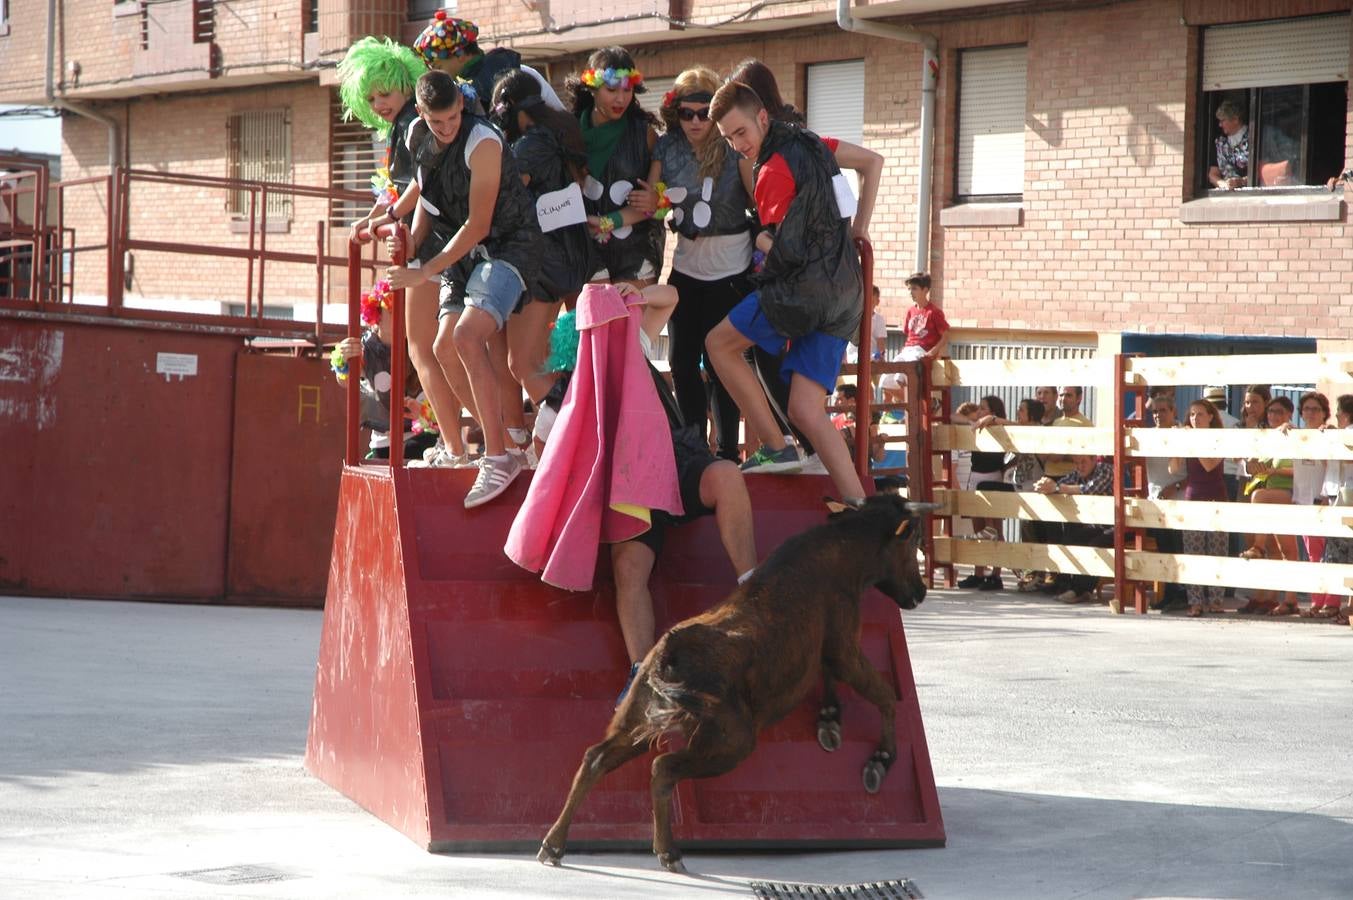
813	466
434	450
494	477
987	534
443	459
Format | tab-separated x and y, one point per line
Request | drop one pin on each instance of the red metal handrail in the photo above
352	454
864	384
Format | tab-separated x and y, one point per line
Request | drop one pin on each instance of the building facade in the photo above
1072	141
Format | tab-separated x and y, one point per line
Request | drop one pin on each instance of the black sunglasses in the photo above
686	114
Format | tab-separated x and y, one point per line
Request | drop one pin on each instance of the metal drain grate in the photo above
237	875
900	889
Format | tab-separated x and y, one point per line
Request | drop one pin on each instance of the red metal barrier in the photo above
455	693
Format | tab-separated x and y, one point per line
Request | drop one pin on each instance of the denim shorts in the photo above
494	286
816	356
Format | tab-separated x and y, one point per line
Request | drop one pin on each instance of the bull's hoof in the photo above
829	735
672	862
876	770
549	855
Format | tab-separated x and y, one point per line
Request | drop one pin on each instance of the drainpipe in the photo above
930	67
49	88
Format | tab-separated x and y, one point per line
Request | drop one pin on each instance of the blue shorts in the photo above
815	356
494	286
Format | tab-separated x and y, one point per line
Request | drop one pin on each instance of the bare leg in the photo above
421	324
723	490
725	346
528	346
807	410
472	335
632	564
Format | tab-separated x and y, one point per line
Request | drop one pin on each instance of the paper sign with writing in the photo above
559	209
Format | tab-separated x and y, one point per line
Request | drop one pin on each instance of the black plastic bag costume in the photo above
514	235
812	279
569	259
626	251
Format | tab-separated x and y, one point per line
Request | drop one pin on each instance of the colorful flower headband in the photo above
612	78
445	37
376	300
339	363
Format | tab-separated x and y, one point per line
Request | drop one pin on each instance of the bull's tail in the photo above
688	679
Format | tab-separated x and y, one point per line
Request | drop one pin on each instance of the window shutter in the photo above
991	111
1266	54
835	102
651	99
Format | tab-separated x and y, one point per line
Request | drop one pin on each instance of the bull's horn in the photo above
917	508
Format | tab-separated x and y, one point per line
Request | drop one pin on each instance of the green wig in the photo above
375	64
563	344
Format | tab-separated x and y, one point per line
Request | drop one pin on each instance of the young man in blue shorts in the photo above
809	291
471	190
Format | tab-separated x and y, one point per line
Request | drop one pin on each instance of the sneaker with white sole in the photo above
442	459
495	474
766	461
987	534
813	465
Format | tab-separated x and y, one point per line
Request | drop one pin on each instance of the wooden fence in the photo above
1129	444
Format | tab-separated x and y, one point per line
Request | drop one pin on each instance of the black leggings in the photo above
701	306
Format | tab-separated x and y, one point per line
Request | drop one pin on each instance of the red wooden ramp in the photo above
455	693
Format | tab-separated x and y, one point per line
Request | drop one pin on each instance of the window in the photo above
260	150
204	21
425	9
834	104
355	153
311	15
992	99
1274	102
651	98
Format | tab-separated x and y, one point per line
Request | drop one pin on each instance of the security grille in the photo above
204	21
260	150
897	889
354	155
1011	395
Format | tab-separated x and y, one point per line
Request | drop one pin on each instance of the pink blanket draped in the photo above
609	458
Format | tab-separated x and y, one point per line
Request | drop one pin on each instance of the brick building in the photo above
1072	140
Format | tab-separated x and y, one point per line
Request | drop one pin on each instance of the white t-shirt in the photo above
711	257
1308	480
877	328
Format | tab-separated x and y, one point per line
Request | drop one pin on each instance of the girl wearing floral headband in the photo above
707	189
552	158
620	137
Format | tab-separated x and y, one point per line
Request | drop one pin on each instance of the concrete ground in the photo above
147	750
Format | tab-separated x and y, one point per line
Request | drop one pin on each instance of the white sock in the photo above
518	435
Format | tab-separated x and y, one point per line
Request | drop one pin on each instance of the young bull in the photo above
721	677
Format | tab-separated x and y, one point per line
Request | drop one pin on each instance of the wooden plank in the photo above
1250	518
1242	573
1241	443
1028	506
1024	439
1021	372
1274	368
1041	557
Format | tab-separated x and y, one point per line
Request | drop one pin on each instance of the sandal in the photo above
1253	553
1216	606
1319	612
1257	608
1285	609
1196	611
1341	617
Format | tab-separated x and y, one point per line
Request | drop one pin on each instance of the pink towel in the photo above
609	459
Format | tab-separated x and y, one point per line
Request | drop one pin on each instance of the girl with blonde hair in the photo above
705	198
